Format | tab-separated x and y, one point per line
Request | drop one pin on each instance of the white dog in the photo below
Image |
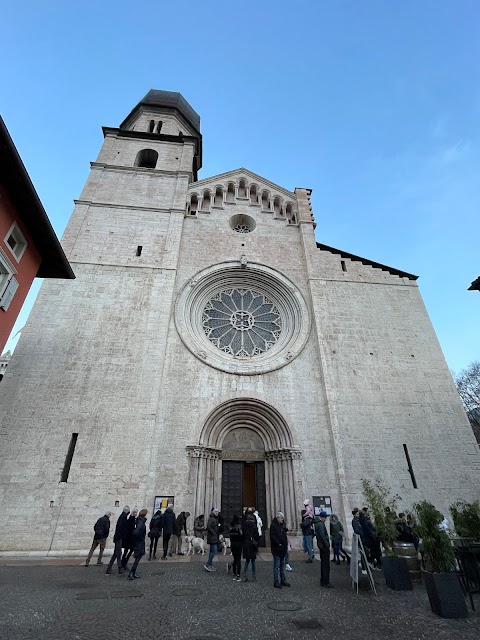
195	545
225	544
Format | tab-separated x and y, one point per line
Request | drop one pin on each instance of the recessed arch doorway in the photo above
246	452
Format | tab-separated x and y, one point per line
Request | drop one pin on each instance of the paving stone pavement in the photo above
178	600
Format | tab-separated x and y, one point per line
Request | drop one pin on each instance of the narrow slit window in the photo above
410	468
159	126
151	126
68	459
139	250
344	266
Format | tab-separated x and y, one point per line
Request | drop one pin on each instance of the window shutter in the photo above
7	297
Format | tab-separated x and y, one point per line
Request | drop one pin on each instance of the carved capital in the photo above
283	454
198	451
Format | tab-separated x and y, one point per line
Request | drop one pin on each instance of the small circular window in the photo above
242	223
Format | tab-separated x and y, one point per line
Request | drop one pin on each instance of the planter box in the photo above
445	594
396	574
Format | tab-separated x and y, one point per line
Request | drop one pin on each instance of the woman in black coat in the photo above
250	544
139	534
154	533
236	545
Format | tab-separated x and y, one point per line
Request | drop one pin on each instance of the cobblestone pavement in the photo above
178	600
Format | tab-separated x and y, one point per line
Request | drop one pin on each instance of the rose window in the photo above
242	322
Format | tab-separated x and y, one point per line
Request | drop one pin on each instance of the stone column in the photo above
202	477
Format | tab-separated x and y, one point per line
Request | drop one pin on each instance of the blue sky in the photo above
375	105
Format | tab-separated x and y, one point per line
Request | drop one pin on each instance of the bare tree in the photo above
468	385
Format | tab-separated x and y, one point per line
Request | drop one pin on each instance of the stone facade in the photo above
120	355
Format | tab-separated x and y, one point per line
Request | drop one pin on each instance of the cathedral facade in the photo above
211	351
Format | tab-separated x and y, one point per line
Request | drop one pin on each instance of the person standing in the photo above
139	534
213	539
308	508
101	530
154	533
372	540
323	543
336	536
236	545
128	542
259	527
279	547
118	538
168	528
307	530
199	526
250	545
176	540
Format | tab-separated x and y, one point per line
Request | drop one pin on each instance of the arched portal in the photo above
240	438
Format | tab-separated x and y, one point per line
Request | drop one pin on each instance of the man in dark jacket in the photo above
168	528
213	539
101	529
176	539
371	540
139	534
199	526
279	547
323	542
119	536
128	543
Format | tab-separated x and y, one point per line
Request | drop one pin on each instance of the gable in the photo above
240	174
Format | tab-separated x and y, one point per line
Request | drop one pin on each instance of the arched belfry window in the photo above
146	158
206	202
193	208
290	214
231	192
277	207
265	201
253	194
218	200
242	189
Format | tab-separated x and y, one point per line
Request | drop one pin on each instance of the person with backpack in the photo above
154	533
139	534
250	544
236	546
307	530
101	530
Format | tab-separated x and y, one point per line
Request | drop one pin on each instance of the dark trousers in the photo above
153	545
166	540
376	553
135	565
237	559
324	566
116	555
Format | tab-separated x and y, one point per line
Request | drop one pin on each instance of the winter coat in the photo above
336	530
127	542
236	536
323	541
180	524
169	522
139	536
357	528
250	539
259	522
121	528
156	526
199	526
101	528
212	530
307	525
278	538
404	531
370	536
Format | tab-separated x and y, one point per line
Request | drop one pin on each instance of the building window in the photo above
8	294
146	158
15	241
8	284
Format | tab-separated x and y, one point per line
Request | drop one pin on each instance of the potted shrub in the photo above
383	506
466	520
441	582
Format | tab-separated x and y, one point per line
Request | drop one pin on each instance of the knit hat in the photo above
214	510
143	512
323	514
305	502
280	515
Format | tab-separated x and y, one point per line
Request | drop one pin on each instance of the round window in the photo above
242	223
242	320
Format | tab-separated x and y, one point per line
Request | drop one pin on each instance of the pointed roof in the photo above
170	100
475	286
244	173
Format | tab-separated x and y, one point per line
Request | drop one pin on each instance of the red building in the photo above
29	247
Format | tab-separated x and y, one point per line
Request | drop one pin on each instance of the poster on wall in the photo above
322	503
161	502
